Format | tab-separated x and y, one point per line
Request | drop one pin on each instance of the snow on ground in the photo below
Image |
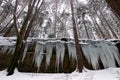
106	74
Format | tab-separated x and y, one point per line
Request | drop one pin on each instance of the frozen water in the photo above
109	60
25	51
60	52
38	56
49	50
4	49
106	51
72	50
91	54
115	53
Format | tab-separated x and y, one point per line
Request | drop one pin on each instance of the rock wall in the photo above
28	64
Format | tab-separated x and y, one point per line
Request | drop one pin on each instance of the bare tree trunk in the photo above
3	16
94	22
20	41
22	37
8	30
30	27
11	26
98	27
103	24
55	22
113	33
115	6
78	47
103	36
85	26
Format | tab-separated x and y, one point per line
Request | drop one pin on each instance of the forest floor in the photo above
105	74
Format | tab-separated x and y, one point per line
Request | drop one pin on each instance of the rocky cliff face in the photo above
69	62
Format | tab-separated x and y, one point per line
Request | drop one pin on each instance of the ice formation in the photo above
106	51
39	53
25	51
72	50
90	52
60	52
7	49
49	50
94	51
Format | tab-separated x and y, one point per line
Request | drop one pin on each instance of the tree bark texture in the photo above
77	45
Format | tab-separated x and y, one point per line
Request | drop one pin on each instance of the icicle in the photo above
57	55
106	56
25	51
38	60
9	50
60	52
38	56
13	50
85	48
107	52
72	50
115	52
94	56
49	49
4	49
90	52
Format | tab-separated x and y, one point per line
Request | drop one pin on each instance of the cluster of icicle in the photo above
48	46
7	49
105	51
94	51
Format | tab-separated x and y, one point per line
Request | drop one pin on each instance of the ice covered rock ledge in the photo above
59	55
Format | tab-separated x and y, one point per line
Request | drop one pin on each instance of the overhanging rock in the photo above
59	55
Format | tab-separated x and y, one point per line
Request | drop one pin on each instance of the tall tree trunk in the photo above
7	32
83	15
55	22
3	16
98	27
30	26
95	25
103	36
77	45
113	33
103	24
115	6
20	41
22	37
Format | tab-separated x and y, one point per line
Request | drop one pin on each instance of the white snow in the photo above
4	41
106	74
